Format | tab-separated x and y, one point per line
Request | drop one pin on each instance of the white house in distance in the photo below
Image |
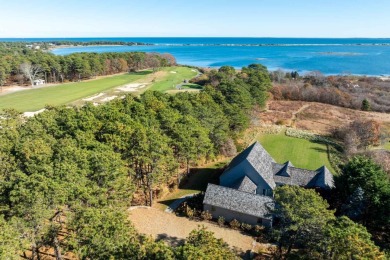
247	184
39	82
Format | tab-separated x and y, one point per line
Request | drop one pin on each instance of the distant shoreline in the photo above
381	77
65	46
351	56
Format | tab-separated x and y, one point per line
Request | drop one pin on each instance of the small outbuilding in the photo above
39	82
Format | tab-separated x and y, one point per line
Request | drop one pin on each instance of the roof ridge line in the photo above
236	190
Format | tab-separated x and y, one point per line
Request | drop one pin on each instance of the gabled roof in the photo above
260	160
323	179
271	172
285	169
239	201
290	175
239	158
245	184
296	177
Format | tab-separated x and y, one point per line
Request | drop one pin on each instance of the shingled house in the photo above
247	184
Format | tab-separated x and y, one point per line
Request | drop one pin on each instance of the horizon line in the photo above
249	37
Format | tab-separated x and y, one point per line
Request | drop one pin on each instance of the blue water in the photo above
330	56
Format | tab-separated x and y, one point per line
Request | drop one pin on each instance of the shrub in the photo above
221	221
270	129
194	203
281	122
234	224
366	106
246	227
205	215
258	230
190	213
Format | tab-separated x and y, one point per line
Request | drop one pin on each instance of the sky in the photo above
195	18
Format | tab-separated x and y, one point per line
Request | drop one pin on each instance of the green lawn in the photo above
35	99
302	153
173	79
191	86
387	146
196	183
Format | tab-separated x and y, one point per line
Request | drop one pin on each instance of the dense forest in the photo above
72	172
22	65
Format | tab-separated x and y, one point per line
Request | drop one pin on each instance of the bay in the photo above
330	56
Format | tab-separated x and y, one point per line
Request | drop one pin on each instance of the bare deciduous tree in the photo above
31	71
169	58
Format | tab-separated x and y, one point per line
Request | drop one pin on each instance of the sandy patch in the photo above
174	230
11	89
93	97
175	91
106	99
31	114
131	87
174	72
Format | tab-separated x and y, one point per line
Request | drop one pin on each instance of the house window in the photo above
259	221
267	192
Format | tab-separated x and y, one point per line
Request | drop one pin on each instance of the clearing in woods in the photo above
99	90
302	153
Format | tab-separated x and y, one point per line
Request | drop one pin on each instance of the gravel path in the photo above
173	206
173	229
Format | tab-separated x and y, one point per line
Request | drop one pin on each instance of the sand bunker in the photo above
31	114
106	99
93	97
131	87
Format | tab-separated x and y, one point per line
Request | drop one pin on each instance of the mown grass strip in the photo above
35	99
176	76
302	153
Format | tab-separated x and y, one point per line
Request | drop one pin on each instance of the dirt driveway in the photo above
173	229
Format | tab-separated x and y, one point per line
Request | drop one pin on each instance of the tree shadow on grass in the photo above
141	73
197	180
191	86
167	202
320	150
200	177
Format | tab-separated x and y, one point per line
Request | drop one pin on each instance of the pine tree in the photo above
366	106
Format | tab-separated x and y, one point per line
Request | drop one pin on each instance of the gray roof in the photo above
323	179
283	174
284	169
296	177
245	184
289	175
239	201
260	160
239	158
